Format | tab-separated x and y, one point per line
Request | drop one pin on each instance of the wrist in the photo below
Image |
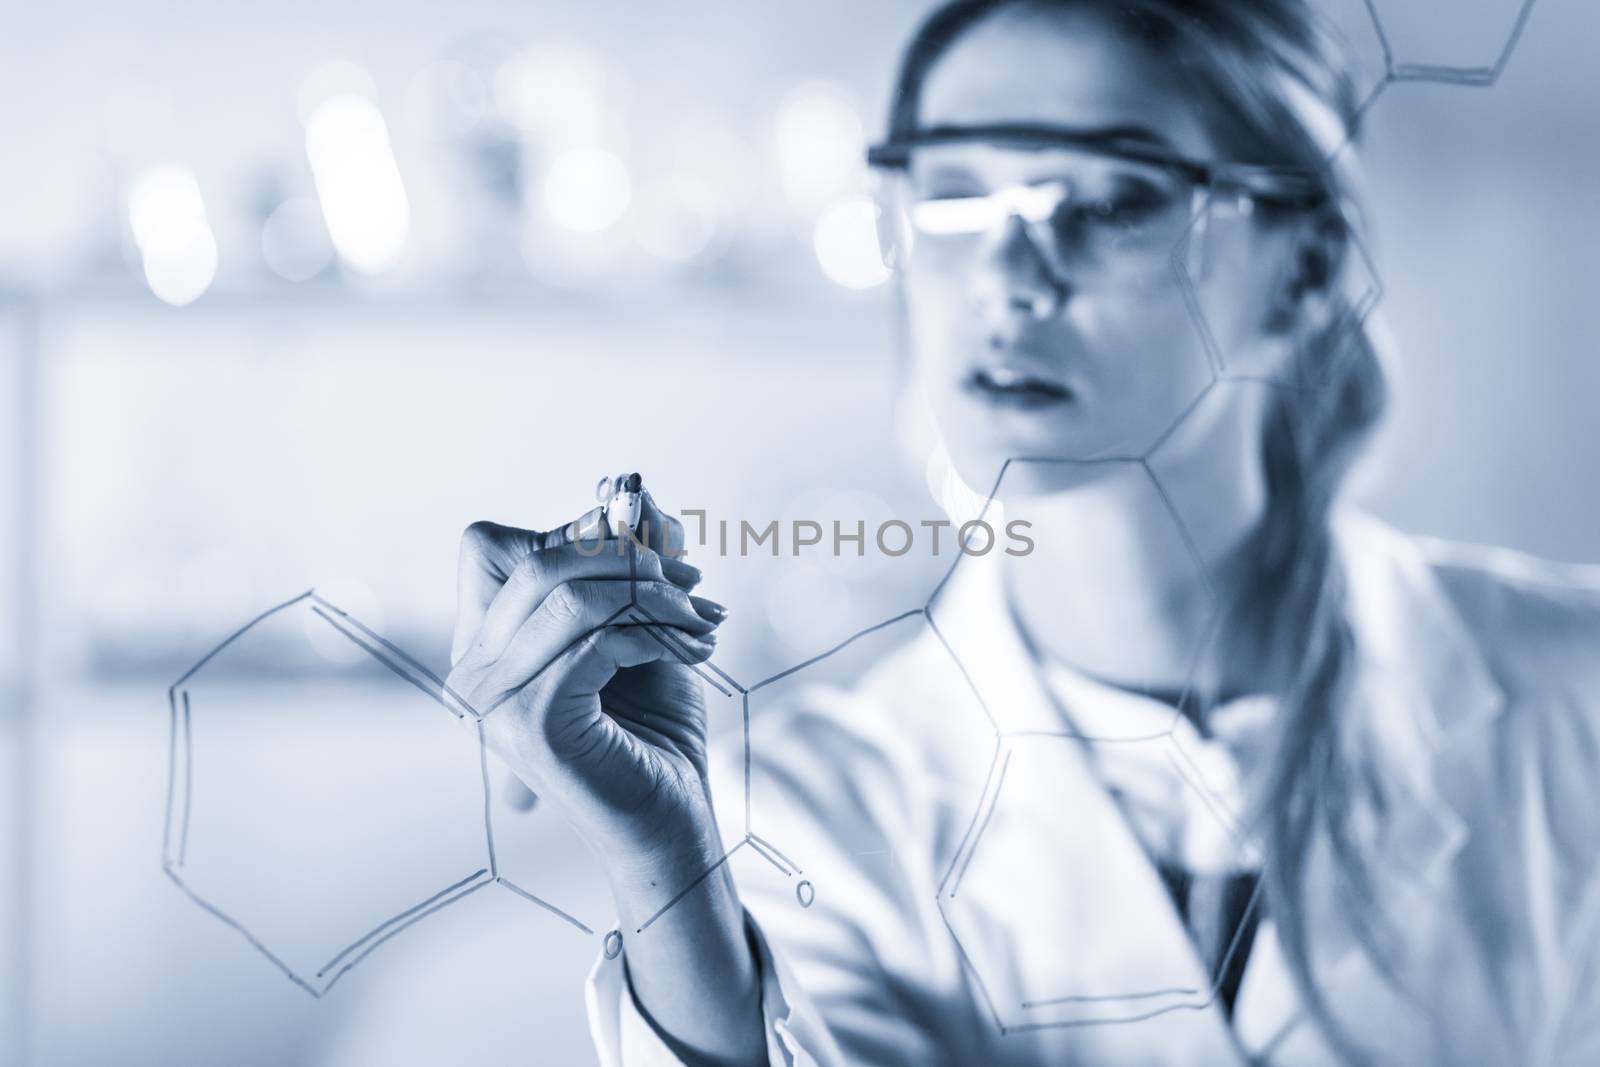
646	873
692	965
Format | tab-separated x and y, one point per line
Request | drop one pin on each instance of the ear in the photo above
1306	295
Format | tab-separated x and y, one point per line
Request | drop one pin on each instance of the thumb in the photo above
662	532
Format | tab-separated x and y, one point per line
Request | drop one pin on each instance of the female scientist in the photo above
1399	740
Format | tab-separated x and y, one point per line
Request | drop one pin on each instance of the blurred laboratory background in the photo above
291	293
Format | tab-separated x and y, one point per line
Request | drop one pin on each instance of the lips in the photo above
1015	387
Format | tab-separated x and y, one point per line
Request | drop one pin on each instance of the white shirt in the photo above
981	898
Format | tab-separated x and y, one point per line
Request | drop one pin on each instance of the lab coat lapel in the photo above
1422	687
1060	913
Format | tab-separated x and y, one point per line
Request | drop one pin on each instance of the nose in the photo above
1014	281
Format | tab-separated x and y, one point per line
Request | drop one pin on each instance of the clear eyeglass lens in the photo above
955	216
1096	217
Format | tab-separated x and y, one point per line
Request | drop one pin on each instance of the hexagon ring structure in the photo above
1014	944
322	793
1131	972
1449	41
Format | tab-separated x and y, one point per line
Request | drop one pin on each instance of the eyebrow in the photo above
1126	133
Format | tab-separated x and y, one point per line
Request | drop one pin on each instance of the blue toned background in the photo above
289	294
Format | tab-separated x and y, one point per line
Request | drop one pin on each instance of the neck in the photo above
1117	588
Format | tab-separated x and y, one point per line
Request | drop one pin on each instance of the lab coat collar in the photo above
1420	680
1421	686
1103	906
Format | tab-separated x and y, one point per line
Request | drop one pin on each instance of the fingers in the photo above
539	572
491	553
708	609
658	531
683	575
581	670
589	526
580	605
488	554
585	667
676	623
664	535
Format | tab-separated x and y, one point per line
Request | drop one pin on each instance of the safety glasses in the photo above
1101	210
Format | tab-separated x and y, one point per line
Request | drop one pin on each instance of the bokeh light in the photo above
556	90
339	77
358	182
846	243
586	190
178	249
821	145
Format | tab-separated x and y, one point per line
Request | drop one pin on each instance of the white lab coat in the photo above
953	927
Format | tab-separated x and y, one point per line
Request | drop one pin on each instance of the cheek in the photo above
1147	362
1143	346
943	323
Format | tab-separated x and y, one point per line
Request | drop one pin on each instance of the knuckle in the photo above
566	602
477	534
669	594
529	570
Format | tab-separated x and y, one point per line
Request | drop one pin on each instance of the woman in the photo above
1215	774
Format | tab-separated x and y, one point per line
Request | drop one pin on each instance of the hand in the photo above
578	662
587	700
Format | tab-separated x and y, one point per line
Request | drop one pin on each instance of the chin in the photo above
1033	471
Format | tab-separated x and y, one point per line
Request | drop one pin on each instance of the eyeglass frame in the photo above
1291	188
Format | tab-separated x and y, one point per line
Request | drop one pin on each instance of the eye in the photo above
946	181
1127	204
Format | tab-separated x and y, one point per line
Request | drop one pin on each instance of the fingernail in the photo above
709	610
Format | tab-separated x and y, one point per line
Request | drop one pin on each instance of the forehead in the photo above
1066	67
